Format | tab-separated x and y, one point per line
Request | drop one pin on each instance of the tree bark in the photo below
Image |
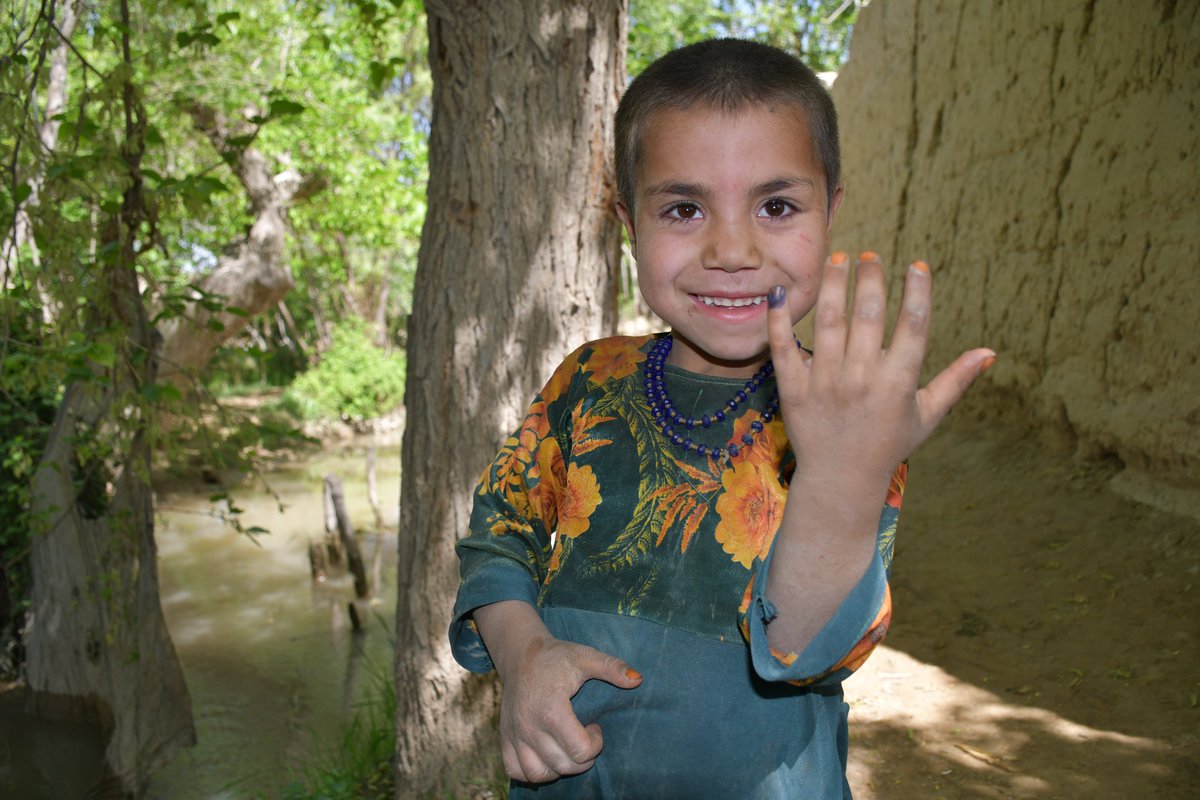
97	642
518	265
255	276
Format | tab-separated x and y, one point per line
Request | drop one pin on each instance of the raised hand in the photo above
855	409
541	739
853	412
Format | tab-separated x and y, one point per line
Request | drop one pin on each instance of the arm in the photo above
853	412
496	621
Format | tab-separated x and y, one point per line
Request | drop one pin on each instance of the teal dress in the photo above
634	546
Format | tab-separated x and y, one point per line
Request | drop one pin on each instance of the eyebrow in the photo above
684	189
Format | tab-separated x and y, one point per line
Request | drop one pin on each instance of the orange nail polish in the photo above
868	255
838	259
921	267
986	364
633	674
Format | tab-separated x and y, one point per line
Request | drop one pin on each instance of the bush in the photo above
355	380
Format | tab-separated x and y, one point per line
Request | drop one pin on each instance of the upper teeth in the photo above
734	302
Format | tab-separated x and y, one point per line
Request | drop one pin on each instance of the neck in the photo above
686	355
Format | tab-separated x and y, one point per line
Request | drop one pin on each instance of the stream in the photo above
274	669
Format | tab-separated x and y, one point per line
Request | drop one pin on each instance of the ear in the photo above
834	204
627	221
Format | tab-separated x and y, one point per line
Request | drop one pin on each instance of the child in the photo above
705	504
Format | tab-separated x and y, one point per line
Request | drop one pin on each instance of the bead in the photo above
665	415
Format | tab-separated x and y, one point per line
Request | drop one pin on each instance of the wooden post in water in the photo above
333	490
333	547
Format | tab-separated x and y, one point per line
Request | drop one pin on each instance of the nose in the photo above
731	245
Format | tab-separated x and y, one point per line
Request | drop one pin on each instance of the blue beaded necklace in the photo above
670	421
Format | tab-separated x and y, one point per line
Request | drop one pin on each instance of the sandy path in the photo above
1046	637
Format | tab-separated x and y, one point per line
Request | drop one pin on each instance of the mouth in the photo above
731	302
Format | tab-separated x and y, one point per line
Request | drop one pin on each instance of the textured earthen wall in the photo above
1042	156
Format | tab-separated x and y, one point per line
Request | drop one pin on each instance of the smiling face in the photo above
727	206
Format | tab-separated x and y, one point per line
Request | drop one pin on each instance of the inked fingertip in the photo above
776	297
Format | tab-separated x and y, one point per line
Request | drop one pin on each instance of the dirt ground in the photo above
1045	641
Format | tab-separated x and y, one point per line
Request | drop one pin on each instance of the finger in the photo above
536	763
829	322
566	745
865	339
512	763
790	373
907	349
608	668
949	385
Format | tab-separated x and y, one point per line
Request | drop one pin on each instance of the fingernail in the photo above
776	296
986	364
633	674
838	259
868	255
921	267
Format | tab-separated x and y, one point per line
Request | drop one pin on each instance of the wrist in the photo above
513	632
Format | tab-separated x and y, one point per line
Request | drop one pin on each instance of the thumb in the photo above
609	669
949	385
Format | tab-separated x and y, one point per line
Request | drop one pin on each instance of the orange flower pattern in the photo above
750	510
608	515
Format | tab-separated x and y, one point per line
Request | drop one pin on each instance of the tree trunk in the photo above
518	265
97	642
255	277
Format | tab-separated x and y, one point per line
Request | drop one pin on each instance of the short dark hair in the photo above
727	75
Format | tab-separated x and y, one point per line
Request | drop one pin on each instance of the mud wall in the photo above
1043	158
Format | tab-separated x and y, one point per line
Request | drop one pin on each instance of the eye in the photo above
684	211
776	208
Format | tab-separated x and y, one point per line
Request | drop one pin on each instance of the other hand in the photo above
541	739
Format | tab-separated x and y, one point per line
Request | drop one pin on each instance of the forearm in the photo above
510	629
825	544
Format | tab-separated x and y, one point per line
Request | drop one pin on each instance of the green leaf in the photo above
158	392
228	16
214	325
103	353
21	193
283	107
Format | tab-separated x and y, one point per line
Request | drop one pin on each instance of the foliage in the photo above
355	380
360	767
816	30
333	91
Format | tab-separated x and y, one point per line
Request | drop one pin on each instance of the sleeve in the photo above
854	630
504	556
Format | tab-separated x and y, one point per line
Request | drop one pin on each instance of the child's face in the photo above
726	207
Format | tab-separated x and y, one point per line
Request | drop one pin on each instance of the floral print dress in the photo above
634	546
